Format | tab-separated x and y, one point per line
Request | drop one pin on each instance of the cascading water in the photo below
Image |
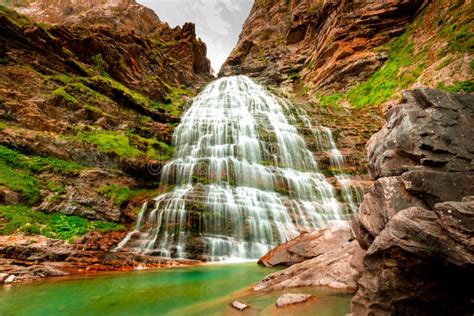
243	178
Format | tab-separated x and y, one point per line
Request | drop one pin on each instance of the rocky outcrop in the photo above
332	43
329	257
417	221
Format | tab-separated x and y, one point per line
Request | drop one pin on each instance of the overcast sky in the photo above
218	22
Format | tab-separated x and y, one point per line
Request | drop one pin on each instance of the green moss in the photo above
466	86
96	110
61	92
38	164
294	75
20	218
111	141
17	172
332	100
118	194
17	19
20	181
99	64
56	187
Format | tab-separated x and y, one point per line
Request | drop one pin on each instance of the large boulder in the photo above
417	221
328	257
307	246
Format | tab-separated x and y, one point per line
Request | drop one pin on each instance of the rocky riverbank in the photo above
32	258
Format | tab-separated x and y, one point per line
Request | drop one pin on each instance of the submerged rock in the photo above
417	221
3	277
239	305
289	299
10	279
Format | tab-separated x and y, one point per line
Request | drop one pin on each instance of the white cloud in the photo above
218	22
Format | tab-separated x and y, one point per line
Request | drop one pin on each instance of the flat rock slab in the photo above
289	299
239	305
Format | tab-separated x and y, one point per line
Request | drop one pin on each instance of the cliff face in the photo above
116	15
332	43
417	220
94	106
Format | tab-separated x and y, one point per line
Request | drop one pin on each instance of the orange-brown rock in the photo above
330	44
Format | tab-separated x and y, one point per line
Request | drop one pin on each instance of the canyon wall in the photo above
88	105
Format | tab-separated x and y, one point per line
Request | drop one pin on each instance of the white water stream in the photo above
243	178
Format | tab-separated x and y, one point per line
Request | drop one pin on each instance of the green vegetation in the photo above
38	164
17	172
405	65
466	86
294	75
99	64
128	144
402	68
61	92
111	141
457	27
332	100
20	218
118	194
17	19
20	181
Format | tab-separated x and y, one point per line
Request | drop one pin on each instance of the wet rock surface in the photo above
328	257
417	221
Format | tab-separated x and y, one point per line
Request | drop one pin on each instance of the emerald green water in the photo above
201	290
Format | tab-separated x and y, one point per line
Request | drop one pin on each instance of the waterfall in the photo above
243	179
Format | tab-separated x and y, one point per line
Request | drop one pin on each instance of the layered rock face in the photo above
417	221
104	97
333	41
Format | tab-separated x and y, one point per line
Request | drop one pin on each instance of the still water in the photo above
200	290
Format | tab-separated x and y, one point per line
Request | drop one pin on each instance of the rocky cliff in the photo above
346	62
88	104
115	15
417	220
331	43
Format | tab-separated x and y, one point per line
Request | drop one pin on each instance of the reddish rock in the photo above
333	43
